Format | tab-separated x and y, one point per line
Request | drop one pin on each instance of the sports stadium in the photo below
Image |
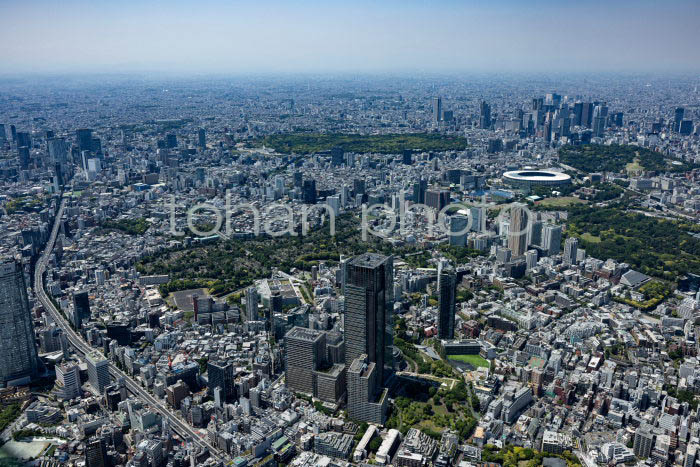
528	178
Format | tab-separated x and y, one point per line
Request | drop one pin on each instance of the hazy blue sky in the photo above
358	35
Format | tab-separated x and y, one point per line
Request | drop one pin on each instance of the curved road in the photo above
82	347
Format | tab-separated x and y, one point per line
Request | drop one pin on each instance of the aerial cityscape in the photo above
434	253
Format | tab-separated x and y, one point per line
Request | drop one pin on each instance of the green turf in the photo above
475	360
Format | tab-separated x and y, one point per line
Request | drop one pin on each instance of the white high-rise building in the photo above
98	371
68	379
551	239
570	250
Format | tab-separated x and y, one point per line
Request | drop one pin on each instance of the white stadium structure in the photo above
528	178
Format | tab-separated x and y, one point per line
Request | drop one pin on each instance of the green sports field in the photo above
476	361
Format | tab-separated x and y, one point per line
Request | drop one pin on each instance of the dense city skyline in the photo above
302	234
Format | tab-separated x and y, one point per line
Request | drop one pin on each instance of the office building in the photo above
337	156
367	402
530	259
24	139
81	306
359	187
368	321
96	453
517	232
478	218
551	239
305	353
484	115
251	303
221	376
309	192
534	233
570	250
587	114
437	109
446	304
419	190
512	408
437	199
58	150
678	118
98	371
23	157
459	226
68	381
202	138
18	354
84	139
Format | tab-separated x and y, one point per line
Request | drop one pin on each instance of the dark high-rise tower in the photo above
84	137
23	157
309	192
446	315
369	292
587	114
484	115
18	355
81	304
24	139
221	376
437	109
202	138
678	118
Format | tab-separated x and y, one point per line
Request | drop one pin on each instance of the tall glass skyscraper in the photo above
369	301
18	356
447	304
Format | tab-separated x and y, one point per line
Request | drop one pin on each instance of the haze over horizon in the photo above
214	36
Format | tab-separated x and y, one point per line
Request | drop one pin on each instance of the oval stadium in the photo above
527	178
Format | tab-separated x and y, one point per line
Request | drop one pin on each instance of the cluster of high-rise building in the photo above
463	277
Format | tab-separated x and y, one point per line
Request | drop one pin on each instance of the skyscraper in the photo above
309	192
587	114
458	230
570	250
68	380
368	311
98	371
365	401
437	109
18	355
84	139
221	376
305	350
81	306
96	453
23	157
478	215
251	303
534	233
551	239
419	190
484	115
517	233
202	138
678	118
437	199
446	314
